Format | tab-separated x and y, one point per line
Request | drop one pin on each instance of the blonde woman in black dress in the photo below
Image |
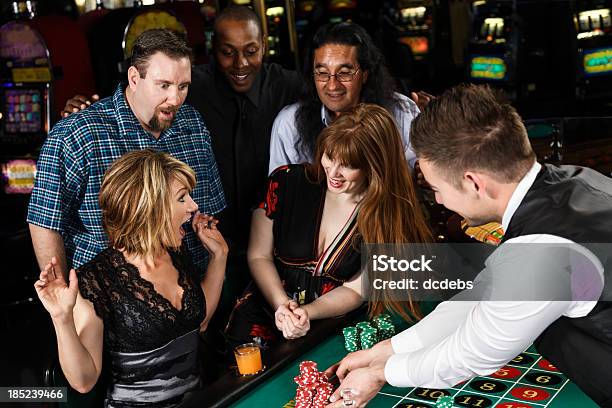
141	301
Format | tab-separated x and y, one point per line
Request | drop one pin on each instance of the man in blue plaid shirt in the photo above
64	216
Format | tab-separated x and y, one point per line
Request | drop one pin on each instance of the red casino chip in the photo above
324	391
303	397
308	366
306	380
314	388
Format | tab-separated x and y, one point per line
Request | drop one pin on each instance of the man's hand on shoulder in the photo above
421	98
77	103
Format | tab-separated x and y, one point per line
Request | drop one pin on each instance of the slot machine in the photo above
407	37
493	46
25	118
416	41
593	24
37	69
415	24
37	74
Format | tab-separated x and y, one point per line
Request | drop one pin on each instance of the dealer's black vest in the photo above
574	203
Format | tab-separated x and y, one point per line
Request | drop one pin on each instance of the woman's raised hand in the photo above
56	296
205	227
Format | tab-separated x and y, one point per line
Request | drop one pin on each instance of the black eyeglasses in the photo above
340	76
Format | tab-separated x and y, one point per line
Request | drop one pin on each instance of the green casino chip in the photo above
445	401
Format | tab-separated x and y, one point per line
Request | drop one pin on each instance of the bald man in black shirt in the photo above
239	96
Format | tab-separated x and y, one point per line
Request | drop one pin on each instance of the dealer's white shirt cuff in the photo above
396	371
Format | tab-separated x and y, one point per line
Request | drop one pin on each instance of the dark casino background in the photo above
553	60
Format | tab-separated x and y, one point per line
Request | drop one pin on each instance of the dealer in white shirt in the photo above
460	340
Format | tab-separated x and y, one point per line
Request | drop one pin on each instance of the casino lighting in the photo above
594	19
492	28
590	34
494	23
275	11
413	12
308	6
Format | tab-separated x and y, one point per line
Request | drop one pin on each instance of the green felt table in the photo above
511	387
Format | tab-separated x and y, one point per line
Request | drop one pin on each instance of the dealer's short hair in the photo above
135	199
469	127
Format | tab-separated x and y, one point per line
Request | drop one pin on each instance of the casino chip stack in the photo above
445	401
324	391
368	337
314	388
385	326
351	339
365	334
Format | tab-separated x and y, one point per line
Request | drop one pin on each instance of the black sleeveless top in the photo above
149	345
136	317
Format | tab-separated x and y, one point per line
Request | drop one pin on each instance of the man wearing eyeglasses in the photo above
342	69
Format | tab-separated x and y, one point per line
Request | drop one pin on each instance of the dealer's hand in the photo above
359	386
361	358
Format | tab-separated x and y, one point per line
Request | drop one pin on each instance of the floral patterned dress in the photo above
295	205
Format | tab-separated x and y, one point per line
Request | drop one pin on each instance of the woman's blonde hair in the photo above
367	138
135	199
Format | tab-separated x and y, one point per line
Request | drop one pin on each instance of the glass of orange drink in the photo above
248	358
